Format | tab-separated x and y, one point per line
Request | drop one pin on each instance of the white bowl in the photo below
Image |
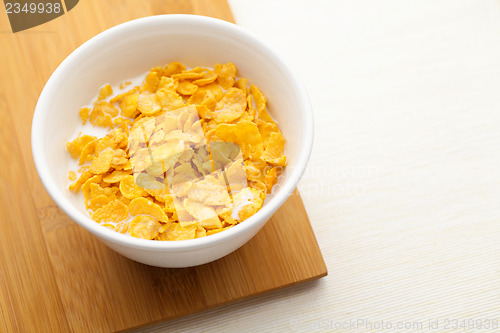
131	49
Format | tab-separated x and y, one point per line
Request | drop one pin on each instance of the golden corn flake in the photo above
168	83
188	75
143	226
98	118
200	232
114	140
98	202
109	225
173	68
96	190
226	74
144	206
116	176
102	163
129	189
107	108
208	77
176	232
162	195
152	81
169	100
231	107
271	178
258	185
72	176
128	106
122	227
203	97
245	134
251	111
86	185
127	166
76	146
80	181
242	84
275	148
187	88
120	97
123	124
227	217
248	210
87	154
189	153
216	90
203	112
105	92
148	104
214	231
206	215
84	114
115	211
119	159
254	169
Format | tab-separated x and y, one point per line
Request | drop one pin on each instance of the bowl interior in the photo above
131	49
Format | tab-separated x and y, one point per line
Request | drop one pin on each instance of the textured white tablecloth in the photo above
403	186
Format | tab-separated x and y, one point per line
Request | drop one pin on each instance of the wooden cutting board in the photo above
54	275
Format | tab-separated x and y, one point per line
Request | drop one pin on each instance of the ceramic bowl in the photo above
131	49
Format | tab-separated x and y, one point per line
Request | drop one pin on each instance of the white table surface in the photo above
403	185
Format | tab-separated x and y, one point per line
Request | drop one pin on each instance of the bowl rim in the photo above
107	234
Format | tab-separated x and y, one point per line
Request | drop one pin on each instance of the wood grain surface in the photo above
55	276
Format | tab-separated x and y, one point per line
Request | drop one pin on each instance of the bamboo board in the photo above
54	275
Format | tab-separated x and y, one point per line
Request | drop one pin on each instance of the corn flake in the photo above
129	189
107	108
129	106
115	211
72	176
187	88
84	114
152	80
96	190
116	176
148	104
173	68
256	202
214	231
189	153
208	77
102	163
86	185
80	181
169	100
76	146
120	97
105	92
98	202
176	232
231	107
144	206
225	74
214	89
275	148
143	226
245	134
97	117
188	75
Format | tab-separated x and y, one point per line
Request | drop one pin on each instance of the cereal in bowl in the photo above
188	153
